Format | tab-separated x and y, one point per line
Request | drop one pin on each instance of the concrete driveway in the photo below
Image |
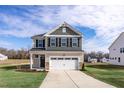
71	79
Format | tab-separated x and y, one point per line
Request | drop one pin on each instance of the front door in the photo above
42	61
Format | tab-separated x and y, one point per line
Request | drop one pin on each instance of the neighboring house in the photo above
104	59
3	57
92	60
116	51
60	48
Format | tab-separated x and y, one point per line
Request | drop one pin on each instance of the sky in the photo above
100	25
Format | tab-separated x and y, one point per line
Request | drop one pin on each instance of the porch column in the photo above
31	61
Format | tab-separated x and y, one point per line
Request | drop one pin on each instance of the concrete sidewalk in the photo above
71	79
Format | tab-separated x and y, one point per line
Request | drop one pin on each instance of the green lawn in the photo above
10	78
110	74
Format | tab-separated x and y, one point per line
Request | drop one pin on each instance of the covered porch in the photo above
37	61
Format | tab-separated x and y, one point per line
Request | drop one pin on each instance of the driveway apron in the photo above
71	79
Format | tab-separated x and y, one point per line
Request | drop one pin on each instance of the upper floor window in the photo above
63	41
39	43
64	30
121	50
74	42
52	41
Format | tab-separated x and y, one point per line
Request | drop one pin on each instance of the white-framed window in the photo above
40	43
74	42
64	30
52	41
63	42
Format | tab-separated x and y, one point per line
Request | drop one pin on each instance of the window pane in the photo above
63	41
74	58
67	58
64	30
74	42
53	41
53	58
40	43
63	44
36	56
52	44
74	39
60	58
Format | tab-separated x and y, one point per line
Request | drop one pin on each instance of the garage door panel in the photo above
63	63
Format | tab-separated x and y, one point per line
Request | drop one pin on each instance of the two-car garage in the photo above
63	63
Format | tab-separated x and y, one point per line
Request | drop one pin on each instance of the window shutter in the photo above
36	43
70	42
48	42
78	42
67	42
43	43
59	42
56	42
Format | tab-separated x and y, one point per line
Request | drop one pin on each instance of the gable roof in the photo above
116	39
65	24
2	56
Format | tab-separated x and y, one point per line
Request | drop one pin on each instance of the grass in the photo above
10	78
111	74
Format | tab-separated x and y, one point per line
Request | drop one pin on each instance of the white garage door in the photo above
63	63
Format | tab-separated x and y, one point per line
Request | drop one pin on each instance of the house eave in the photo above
63	36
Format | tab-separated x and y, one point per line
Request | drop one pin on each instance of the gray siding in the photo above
68	48
68	32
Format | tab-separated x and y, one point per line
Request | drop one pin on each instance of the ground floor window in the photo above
119	59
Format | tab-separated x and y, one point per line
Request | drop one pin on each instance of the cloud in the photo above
107	22
5	44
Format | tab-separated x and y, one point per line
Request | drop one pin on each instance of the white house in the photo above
58	49
92	60
116	51
104	59
3	57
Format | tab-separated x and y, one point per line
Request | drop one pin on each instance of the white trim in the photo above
74	42
64	30
38	43
63	36
65	57
65	41
52	41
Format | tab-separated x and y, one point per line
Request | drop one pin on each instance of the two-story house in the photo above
116	51
58	49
